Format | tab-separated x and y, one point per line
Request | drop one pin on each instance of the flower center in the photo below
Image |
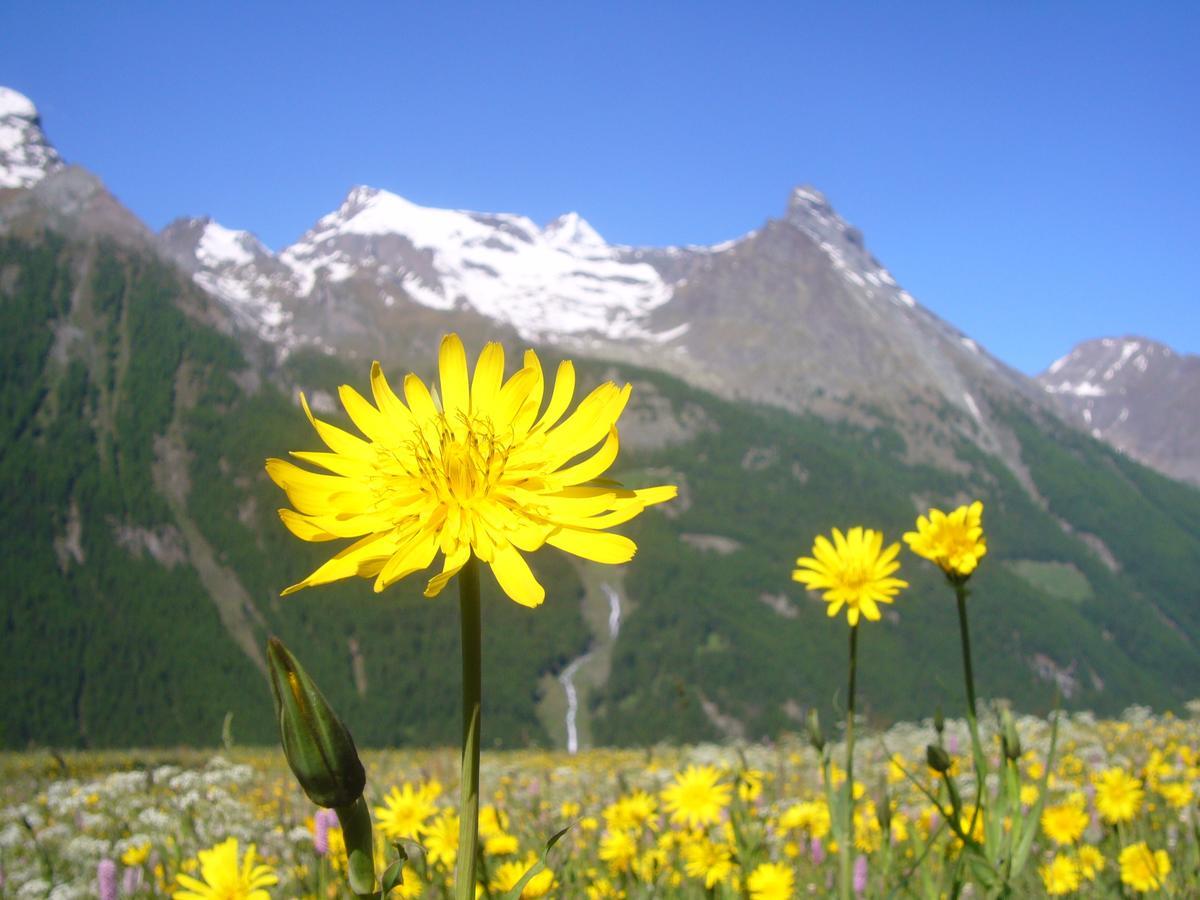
460	465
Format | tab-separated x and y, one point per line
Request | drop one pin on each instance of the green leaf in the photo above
393	876
1035	814
537	868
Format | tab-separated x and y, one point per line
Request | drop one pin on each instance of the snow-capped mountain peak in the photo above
561	280
26	157
572	230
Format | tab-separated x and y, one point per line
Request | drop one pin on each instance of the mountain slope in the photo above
1138	395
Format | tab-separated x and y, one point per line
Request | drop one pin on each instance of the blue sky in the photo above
1029	171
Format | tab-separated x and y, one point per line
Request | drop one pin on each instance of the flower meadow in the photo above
483	470
1120	817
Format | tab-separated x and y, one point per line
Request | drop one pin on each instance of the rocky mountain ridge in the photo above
1138	395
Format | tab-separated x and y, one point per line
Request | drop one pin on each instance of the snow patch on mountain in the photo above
563	279
220	245
26	157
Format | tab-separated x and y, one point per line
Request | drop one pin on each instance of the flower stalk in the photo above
472	702
846	844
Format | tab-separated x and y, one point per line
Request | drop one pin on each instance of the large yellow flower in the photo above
1144	869
1118	795
854	570
479	473
954	541
695	799
224	879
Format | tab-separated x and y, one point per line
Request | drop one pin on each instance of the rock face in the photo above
1136	394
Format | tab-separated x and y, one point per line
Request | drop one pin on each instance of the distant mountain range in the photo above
784	380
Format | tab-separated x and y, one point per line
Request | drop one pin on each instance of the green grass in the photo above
1057	579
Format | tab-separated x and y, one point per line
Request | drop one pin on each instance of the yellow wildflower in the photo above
406	810
440	838
1064	823
630	812
136	855
1091	862
771	881
1118	795
1143	869
695	798
1177	794
479	474
501	844
707	860
1060	876
507	875
619	850
809	815
953	541
854	571
223	877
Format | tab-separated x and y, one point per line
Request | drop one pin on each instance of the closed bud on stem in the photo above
939	721
318	746
1009	737
937	758
815	736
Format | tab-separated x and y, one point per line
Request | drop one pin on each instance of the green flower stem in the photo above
355	820
846	844
960	593
472	690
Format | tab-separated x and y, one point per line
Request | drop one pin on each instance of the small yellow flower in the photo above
501	844
1143	869
224	879
631	812
771	881
1061	876
854	571
1118	795
441	839
953	541
406	810
480	473
695	798
619	850
1091	862
136	855
707	860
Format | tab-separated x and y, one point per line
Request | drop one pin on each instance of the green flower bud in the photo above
1009	737
318	746
815	736
937	758
939	720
